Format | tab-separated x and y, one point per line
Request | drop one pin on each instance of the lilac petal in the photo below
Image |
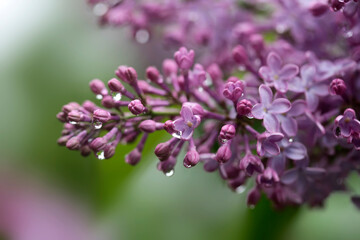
349	113
274	61
187	133
296	151
312	101
296	85
186	113
289	71
278	163
265	73
320	90
179	124
308	73
259	149
320	127
196	121
290	176
298	107
355	125
271	123
266	95
289	126
275	137
281	85
280	105
345	128
258	111
271	148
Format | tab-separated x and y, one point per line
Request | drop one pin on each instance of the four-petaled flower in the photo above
187	123
267	109
347	123
267	143
276	74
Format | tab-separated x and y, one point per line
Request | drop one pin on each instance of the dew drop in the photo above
280	28
142	36
177	134
170	173
99	96
291	140
249	116
97	125
100	9
90	140
252	207
100	155
73	122
187	165
116	96
349	34
240	189
224	140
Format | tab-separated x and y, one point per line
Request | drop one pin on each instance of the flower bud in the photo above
250	163
63	139
243	107
192	158
234	89
169	67
184	58
109	151
89	106
211	165
163	151
227	132
85	150
268	177
239	54
115	85
253	197
223	154
167	166
101	115
133	157
169	126
61	116
108	102
75	116
337	87
152	74
98	144
136	107
73	143
214	71
318	8
257	42
70	106
130	75
98	87
148	126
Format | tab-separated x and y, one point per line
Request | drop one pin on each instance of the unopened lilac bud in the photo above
244	107
61	116
133	157
73	143
337	87
211	165
136	107
318	8
268	177
169	67
227	132
257	42
120	72
115	85
109	151
214	71
70	106
237	184
253	197
63	139
74	116
148	126
85	150
98	144
167	167
223	154
101	115
169	126
152	74
89	106
184	58
239	54
98	87
244	30
130	75
234	89
163	151
108	102
192	158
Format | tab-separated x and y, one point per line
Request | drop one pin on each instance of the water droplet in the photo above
252	207
99	96
116	96
177	134
90	140
242	94
249	116
142	36
200	89
170	173
280	28
100	155
349	34
208	81
100	9
73	122
224	140
97	125
240	189
291	140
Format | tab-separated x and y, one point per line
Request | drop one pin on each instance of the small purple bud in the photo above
130	75
115	85
63	139
163	150
120	72
85	150
108	102
136	107
109	151
184	58
214	71
133	157
70	106
337	87
89	106
223	154
257	42
268	177
239	54
167	167
98	144
227	132
73	143
318	8
253	197
98	87
250	164
153	74
101	115
244	107
148	126
192	158
234	89
169	126
211	165
169	67
61	116
74	116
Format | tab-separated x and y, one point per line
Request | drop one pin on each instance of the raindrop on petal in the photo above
97	125
116	96
170	173
100	155
73	122
99	96
240	189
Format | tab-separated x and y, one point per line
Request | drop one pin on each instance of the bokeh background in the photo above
49	51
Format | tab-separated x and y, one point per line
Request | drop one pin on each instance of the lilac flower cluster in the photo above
279	115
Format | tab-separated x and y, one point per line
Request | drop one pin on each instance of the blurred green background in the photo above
49	51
